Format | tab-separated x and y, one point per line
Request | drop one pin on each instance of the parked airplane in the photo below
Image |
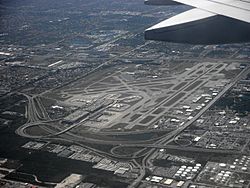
209	22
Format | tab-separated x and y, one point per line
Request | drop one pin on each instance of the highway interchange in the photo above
171	96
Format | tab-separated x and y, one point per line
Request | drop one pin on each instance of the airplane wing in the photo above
209	22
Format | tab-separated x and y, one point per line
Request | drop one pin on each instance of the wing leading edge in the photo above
210	22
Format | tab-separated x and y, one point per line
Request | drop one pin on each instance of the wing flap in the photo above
234	3
230	8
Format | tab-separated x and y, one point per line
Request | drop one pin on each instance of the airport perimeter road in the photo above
189	149
169	138
214	59
197	116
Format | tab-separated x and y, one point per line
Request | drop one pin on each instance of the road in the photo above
164	141
36	114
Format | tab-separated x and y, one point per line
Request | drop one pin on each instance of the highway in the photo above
164	141
40	117
187	149
37	115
